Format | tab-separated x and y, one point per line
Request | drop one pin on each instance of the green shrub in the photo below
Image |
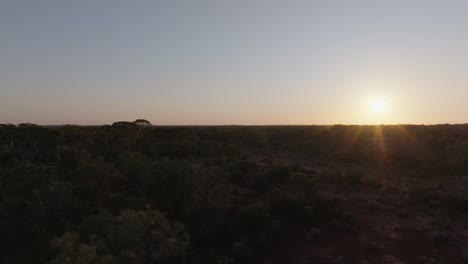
279	175
423	195
303	183
372	182
352	178
300	210
455	204
457	156
130	237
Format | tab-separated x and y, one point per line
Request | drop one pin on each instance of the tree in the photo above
7	132
125	131
142	123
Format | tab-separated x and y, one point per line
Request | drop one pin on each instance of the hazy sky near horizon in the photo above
233	62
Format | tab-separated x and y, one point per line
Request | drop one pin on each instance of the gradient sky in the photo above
233	62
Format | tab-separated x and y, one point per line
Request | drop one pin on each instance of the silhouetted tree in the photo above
142	123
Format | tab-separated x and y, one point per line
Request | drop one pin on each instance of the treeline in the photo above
131	192
440	147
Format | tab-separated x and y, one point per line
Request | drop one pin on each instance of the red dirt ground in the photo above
390	227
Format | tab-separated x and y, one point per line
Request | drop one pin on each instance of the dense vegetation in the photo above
135	193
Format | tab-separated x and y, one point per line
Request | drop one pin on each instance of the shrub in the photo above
423	195
130	237
276	228
352	178
455	204
279	175
372	182
303	183
300	210
457	157
313	235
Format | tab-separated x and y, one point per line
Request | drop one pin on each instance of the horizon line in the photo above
246	125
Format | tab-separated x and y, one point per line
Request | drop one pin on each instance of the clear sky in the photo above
233	62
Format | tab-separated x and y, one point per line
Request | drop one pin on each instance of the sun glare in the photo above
377	105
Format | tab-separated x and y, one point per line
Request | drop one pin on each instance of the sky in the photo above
244	62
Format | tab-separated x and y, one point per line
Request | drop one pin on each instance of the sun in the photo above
377	105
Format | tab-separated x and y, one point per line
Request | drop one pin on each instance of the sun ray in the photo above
379	144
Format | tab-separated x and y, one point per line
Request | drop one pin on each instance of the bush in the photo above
302	183
372	182
455	204
279	175
457	157
352	178
296	209
423	195
130	237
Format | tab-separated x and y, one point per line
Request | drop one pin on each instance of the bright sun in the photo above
377	105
